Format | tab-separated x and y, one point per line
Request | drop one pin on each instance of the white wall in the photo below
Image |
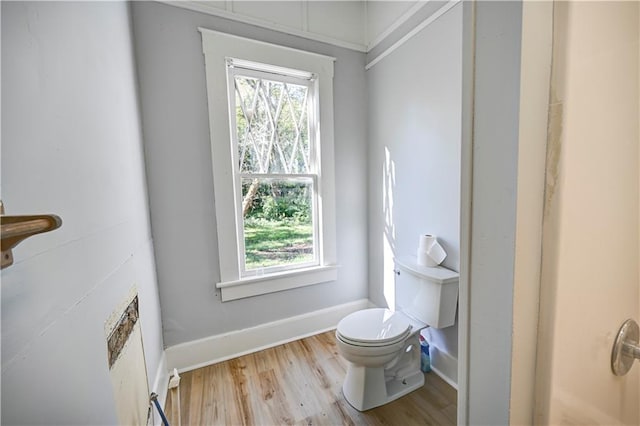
414	109
71	145
590	241
175	119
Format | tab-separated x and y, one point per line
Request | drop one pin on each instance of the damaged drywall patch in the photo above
127	365
122	330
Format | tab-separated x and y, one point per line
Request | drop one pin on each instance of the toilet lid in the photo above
376	326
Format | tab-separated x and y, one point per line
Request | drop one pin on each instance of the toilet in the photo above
382	345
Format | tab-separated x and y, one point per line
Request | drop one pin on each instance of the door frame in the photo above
502	200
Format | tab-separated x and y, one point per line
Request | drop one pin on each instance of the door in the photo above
590	250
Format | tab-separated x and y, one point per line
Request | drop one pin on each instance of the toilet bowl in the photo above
383	351
382	346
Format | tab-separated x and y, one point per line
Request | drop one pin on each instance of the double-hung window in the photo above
271	123
275	166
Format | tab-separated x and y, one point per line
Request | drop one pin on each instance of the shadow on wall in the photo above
389	233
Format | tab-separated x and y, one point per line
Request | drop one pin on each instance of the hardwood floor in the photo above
299	383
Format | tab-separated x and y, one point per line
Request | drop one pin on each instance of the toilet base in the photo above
375	391
369	387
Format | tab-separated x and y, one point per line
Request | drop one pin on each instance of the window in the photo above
275	166
271	123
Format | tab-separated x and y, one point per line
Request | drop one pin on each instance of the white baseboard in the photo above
160	387
210	350
444	365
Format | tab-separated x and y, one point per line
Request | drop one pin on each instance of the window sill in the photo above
254	286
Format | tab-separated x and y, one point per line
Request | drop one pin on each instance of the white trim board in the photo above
202	8
466	195
401	20
210	350
432	18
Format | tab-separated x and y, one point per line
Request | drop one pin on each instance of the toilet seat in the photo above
371	345
373	328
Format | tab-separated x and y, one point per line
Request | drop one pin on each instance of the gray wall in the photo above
414	108
178	154
71	145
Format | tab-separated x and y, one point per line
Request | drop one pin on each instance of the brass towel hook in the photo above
17	228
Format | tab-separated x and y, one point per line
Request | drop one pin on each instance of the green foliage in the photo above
286	208
278	201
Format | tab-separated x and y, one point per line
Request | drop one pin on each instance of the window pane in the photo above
272	126
278	222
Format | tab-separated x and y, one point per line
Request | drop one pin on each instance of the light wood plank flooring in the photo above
299	383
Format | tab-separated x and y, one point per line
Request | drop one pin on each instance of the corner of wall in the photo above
160	387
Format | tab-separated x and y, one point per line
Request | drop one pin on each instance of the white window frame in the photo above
267	72
217	49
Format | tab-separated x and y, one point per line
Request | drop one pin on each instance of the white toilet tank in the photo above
427	294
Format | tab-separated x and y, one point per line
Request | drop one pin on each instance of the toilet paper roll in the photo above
436	253
431	252
423	258
426	240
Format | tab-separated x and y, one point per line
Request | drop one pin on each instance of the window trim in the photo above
217	49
